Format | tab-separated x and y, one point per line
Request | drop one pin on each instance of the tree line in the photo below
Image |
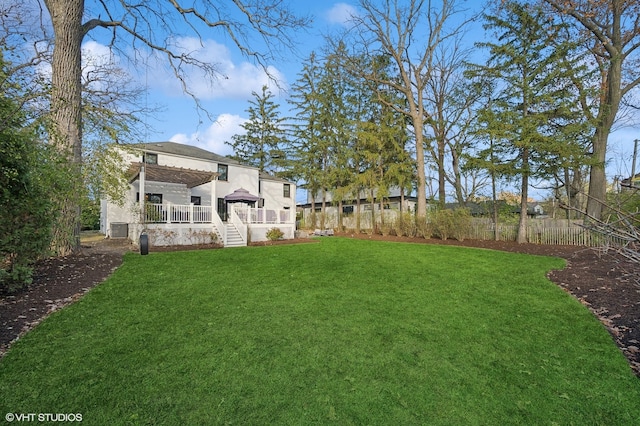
398	98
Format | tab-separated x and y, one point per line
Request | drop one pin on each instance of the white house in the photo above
194	196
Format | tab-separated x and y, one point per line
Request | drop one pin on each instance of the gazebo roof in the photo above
241	195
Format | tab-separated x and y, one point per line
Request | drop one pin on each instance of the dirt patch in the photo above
607	284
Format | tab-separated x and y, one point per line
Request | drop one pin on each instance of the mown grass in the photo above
344	331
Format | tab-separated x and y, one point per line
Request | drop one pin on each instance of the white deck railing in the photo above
177	213
190	213
251	215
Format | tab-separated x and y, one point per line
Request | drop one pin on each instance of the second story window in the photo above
150	158
286	190
223	172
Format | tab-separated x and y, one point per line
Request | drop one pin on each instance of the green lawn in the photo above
343	331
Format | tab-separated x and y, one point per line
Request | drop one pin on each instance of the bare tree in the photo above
154	25
611	32
408	33
450	100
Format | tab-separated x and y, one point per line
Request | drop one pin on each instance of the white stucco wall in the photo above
273	194
258	232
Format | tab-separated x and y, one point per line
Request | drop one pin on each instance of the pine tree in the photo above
261	145
381	138
533	119
306	146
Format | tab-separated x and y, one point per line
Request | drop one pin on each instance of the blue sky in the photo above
227	98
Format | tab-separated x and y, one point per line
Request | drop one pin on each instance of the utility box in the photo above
119	230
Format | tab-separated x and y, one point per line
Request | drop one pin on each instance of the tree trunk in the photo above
494	199
455	165
66	110
597	176
358	213
522	225
421	208
312	216
323	212
373	213
442	192
609	106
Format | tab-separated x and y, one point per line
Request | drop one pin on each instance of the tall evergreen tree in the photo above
380	145
534	113
261	145
306	145
337	132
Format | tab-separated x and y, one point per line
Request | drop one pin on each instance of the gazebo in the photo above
241	195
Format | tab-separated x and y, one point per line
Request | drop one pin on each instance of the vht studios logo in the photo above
43	417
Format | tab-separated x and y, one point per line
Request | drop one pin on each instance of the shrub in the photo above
405	225
27	212
442	222
90	214
424	229
274	234
461	224
451	223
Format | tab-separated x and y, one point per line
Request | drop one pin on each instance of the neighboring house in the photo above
632	182
535	209
194	196
485	208
391	205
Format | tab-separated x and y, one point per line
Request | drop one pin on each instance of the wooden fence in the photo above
536	233
539	231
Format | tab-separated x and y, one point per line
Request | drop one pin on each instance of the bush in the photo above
442	222
26	219
461	224
405	225
90	214
451	223
27	212
424	229
274	234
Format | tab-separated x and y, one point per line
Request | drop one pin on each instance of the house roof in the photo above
632	181
188	177
184	150
268	176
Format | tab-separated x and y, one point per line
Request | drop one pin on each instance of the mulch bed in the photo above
607	284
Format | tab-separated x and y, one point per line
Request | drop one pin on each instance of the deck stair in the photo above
234	239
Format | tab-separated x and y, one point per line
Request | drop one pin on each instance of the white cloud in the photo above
235	81
341	13
214	137
96	54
